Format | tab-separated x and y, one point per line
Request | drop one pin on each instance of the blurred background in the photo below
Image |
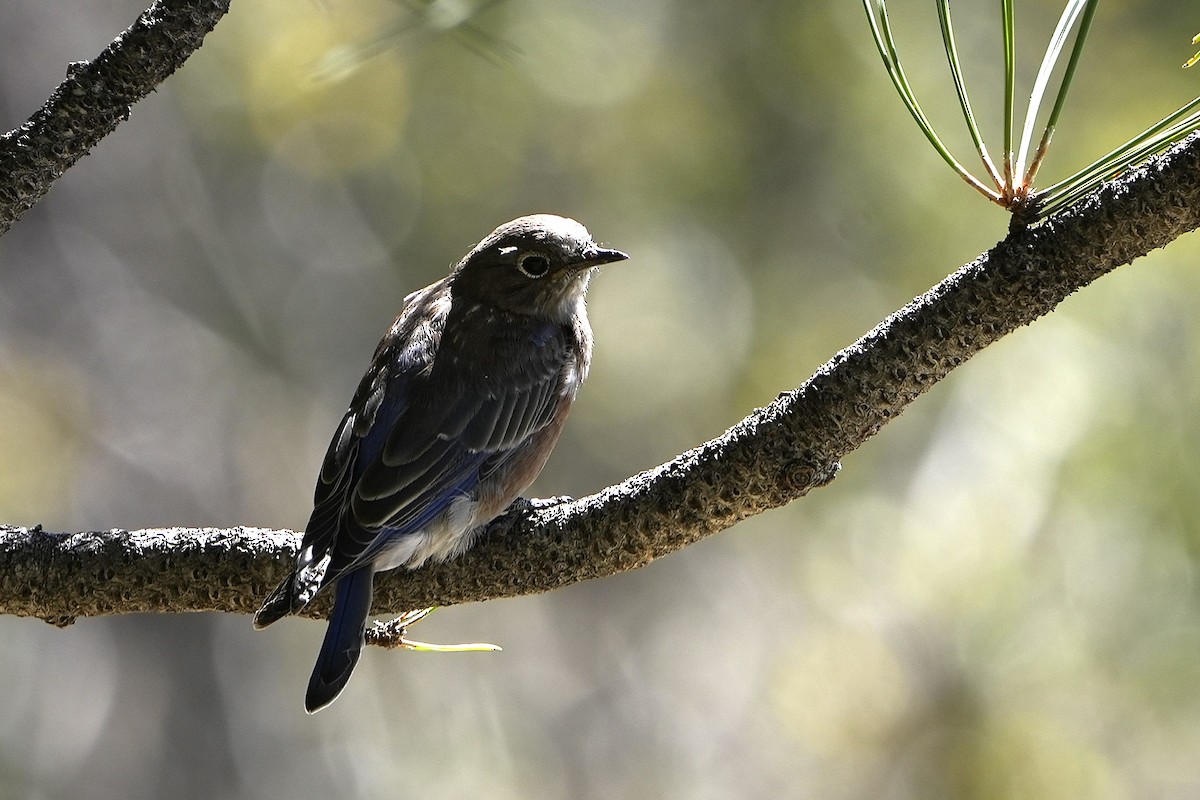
996	599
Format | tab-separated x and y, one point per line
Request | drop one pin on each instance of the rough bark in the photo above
96	96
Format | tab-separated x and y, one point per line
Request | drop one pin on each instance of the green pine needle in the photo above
882	33
960	87
1013	182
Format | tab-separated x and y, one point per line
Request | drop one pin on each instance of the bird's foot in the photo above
520	509
393	634
526	504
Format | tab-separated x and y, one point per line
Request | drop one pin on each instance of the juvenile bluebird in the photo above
462	404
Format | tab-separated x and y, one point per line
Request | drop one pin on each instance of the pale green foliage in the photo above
1012	184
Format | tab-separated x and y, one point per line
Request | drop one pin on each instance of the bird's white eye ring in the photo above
535	265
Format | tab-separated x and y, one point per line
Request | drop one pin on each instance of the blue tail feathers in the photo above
343	638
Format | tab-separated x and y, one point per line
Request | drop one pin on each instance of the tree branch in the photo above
773	456
96	96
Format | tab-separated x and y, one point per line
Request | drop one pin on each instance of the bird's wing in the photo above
399	461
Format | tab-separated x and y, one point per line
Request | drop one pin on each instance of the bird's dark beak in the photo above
595	256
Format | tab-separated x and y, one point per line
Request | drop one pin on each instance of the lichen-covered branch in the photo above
773	456
61	576
96	96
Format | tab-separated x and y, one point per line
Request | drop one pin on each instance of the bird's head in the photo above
538	265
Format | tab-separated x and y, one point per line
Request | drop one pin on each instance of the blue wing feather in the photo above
424	429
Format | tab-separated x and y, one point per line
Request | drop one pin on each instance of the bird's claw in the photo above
520	509
391	634
526	504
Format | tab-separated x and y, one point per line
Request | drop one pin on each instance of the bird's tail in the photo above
343	638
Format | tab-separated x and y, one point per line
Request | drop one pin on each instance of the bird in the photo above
464	399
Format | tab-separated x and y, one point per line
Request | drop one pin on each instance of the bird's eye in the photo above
535	265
